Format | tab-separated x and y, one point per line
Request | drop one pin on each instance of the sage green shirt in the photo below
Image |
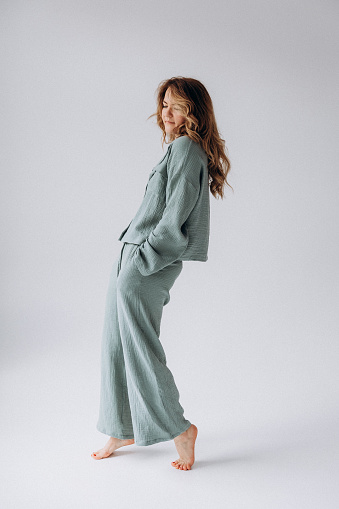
173	220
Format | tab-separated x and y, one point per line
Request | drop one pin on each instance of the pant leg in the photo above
156	413
114	413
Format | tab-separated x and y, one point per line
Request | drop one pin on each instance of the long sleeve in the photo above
169	239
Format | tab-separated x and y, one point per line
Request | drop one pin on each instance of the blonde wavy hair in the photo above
200	125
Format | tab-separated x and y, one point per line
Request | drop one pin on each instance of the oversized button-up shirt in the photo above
173	220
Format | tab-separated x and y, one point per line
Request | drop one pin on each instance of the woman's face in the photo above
170	114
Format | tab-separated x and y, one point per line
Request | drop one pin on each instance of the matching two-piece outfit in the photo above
138	396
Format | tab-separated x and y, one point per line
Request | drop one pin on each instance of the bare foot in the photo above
184	444
110	447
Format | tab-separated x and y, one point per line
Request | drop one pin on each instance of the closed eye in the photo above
165	106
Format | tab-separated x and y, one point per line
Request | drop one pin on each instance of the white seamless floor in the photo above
49	410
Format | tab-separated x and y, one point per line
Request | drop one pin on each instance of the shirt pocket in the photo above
157	166
156	187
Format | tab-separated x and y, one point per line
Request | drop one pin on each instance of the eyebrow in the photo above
167	102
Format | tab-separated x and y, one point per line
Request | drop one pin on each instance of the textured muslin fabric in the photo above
173	220
138	396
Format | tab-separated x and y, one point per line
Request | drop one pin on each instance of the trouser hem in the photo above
157	440
142	442
115	435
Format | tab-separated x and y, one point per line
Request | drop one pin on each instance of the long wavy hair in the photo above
200	125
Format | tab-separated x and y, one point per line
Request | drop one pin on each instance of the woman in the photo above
139	401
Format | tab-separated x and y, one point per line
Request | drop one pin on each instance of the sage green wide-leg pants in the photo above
138	395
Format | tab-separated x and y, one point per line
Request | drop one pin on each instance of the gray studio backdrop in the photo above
251	336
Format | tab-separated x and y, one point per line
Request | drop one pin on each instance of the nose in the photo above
168	114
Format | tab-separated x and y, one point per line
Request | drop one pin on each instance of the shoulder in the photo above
182	143
184	146
186	160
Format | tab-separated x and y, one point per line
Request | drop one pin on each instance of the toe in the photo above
99	455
